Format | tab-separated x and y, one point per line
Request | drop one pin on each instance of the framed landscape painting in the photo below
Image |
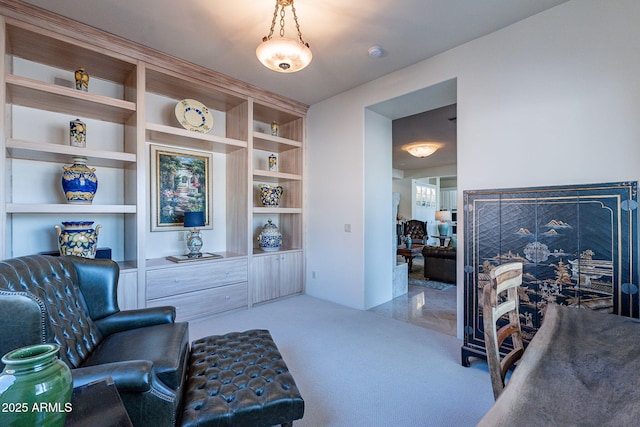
180	182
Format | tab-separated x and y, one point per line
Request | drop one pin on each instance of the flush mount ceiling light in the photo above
421	149
283	54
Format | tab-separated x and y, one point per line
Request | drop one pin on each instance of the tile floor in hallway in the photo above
425	307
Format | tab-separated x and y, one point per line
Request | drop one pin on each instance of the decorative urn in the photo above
270	238
79	182
78	238
270	194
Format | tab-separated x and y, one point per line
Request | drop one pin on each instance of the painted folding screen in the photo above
578	245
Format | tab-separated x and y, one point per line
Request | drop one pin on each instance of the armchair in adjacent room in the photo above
417	230
72	301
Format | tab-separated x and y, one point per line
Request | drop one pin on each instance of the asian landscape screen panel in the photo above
578	245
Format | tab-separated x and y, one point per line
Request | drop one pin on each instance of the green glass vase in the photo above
35	387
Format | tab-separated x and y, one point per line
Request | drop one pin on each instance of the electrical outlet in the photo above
181	236
313	274
347	228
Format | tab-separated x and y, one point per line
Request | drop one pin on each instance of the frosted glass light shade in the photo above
421	149
284	55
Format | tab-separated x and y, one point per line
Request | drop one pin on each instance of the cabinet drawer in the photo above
196	276
205	302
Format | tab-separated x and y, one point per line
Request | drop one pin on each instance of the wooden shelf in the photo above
276	144
268	114
40	45
186	138
27	150
284	249
46	96
41	208
175	85
262	210
275	176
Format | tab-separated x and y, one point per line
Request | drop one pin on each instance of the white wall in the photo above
335	197
380	235
553	99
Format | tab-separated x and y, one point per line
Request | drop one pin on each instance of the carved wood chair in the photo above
501	299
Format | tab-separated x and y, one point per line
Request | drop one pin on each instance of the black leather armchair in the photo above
72	301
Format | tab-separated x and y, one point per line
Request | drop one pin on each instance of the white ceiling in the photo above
223	35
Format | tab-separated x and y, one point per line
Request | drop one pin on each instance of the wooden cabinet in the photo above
128	289
128	108
198	288
276	275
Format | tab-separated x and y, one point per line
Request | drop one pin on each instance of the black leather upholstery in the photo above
72	301
239	379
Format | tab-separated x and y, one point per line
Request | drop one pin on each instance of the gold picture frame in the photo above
181	181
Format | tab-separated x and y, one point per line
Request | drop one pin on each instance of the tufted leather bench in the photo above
239	379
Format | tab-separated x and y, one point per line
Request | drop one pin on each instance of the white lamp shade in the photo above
443	216
284	55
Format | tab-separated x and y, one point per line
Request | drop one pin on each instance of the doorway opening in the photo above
422	187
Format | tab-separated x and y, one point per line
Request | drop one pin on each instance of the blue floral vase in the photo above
270	239
35	387
270	195
79	182
78	238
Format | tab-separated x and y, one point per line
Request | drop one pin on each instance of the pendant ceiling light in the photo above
282	54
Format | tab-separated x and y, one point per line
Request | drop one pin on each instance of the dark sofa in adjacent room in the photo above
439	263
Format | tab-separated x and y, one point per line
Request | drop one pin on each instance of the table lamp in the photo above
443	218
194	239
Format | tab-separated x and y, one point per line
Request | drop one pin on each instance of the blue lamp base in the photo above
443	229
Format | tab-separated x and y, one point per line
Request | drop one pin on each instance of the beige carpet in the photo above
356	368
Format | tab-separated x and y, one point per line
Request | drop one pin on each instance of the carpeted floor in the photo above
359	369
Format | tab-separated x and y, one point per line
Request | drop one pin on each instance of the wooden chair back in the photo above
501	299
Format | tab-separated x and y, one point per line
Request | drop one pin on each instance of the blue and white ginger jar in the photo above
270	239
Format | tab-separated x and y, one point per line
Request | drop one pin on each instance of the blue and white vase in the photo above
78	238
270	194
77	133
270	239
79	182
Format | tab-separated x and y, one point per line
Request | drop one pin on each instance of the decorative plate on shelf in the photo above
194	115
